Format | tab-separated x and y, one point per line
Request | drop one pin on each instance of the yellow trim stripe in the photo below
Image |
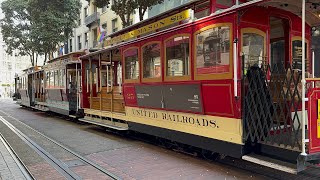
220	128
150	27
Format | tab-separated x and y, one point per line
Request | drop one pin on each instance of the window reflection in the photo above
151	61
131	64
213	51
177	56
253	49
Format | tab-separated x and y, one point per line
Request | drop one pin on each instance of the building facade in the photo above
80	39
10	65
90	18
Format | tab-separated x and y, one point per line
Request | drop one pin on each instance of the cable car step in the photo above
104	124
271	163
73	116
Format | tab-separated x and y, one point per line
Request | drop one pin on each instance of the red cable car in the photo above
225	81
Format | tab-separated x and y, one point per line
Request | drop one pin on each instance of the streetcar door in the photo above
30	89
279	43
79	86
72	89
117	97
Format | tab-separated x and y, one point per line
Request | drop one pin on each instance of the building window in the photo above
114	25
177	56
86	12
79	20
131	62
104	9
95	37
213	50
104	26
151	60
86	40
70	42
95	9
79	42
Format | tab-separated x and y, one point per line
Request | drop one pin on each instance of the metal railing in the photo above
92	18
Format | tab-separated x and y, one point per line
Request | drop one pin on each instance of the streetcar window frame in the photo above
151	79
131	80
262	59
214	76
187	76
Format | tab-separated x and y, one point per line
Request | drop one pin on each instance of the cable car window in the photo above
253	49
56	79
213	50
131	61
60	78
202	10
177	56
151	61
63	77
227	3
51	79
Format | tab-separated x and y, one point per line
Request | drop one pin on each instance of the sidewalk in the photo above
10	168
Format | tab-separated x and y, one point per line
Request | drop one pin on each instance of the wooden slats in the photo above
118	104
114	96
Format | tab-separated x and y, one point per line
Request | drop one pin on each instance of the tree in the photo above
124	8
53	22
15	28
143	5
38	26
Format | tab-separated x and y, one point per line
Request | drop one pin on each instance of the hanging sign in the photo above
150	27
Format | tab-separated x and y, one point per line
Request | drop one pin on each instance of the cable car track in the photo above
60	166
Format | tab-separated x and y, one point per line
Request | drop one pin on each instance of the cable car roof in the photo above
295	7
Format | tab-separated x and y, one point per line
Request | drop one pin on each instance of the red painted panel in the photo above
314	145
129	94
218	99
85	95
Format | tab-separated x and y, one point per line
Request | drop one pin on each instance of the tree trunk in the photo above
36	59
140	14
124	22
45	58
142	11
32	59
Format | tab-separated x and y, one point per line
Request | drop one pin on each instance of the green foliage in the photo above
38	26
124	8
143	5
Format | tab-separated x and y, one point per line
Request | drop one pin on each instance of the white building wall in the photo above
10	65
80	31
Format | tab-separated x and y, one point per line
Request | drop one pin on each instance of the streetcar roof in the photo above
162	15
293	6
67	55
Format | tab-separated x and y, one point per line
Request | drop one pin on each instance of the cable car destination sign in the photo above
150	27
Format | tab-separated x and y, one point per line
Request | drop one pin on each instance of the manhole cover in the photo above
74	163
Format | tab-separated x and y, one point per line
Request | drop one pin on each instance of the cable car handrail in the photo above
313	79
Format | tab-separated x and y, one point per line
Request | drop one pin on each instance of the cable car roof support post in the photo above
303	81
